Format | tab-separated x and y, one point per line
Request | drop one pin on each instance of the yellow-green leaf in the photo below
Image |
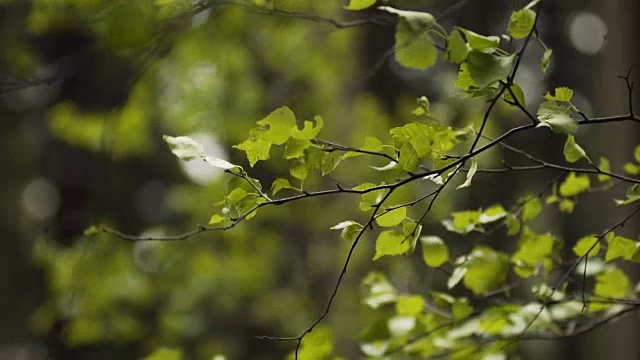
435	252
392	217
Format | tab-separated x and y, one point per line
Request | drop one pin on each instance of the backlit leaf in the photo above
521	23
391	242
185	148
572	151
435	251
557	118
574	184
584	244
486	69
472	171
392	218
359	4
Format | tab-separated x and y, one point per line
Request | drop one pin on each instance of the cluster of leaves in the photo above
422	152
474	314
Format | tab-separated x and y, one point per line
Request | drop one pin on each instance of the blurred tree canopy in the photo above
384	128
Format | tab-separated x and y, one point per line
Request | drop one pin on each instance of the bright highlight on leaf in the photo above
184	147
560	94
470	174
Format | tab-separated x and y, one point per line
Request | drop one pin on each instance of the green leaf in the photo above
184	147
215	219
295	148
533	250
299	170
414	46
560	94
480	42
463	222
612	283
417	134
584	244
521	23
359	4
486	69
464	80
369	199
410	305
513	225
418	21
487	270
631	169
557	118
309	131
318	344
572	151
257	147
636	154
470	173
392	217
519	95
620	247
279	125
546	60
435	251
280	184
408	160
165	354
372	144
532	208
574	185
349	229
457	49
219	163
603	165
391	242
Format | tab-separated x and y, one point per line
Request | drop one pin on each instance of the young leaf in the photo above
215	219
533	250
546	60
480	42
391	242
279	184
560	94
486	69
487	270
613	283
513	225
410	305
603	165
184	147
470	173
519	95
521	23
414	46
557	118
636	154
434	251
574	185
349	229
318	344
359	4
457	49
219	163
584	244
531	209
392	218
572	151
620	247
